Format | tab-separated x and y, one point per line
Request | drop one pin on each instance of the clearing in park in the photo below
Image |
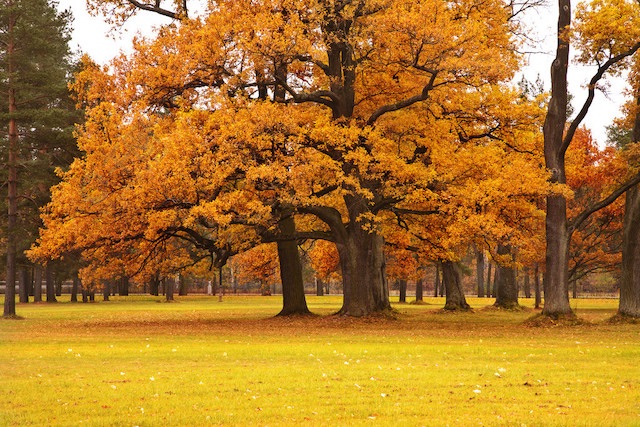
135	361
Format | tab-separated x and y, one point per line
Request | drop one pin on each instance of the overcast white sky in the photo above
92	36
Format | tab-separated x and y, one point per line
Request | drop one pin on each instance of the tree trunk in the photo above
12	182
37	283
537	290
455	299
49	284
480	272
23	285
74	290
402	284
106	290
556	294
507	286
293	298
496	279
437	285
183	286
319	287
489	276
154	285
363	273
419	290
629	304
527	284
169	287
124	286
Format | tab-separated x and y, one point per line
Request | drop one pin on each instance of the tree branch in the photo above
578	220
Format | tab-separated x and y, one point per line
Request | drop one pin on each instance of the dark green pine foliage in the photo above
37	117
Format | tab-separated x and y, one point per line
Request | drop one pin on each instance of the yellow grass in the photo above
135	361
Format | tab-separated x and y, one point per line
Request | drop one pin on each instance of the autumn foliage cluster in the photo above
387	131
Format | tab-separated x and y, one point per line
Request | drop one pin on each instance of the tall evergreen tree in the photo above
36	117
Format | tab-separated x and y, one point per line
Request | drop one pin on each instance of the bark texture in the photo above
293	298
455	299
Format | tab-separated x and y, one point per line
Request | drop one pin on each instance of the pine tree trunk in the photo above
293	297
37	283
629	304
23	285
455	299
12	183
507	286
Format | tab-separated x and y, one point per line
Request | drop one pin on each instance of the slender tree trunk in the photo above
37	283
480	272
496	279
49	284
319	287
507	286
527	283
293	297
154	285
419	290
489	282
438	284
556	294
183	285
402	285
74	290
537	290
12	181
23	285
455	299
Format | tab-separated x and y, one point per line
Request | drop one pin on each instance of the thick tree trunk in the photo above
455	299
402	285
169	287
37	283
293	298
480	272
123	289
419	290
507	286
154	285
556	294
183	286
363	273
527	284
629	304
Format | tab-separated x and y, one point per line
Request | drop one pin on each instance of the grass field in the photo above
138	362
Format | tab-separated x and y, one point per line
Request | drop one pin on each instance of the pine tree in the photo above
36	117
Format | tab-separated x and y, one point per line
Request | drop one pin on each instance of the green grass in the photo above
196	362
